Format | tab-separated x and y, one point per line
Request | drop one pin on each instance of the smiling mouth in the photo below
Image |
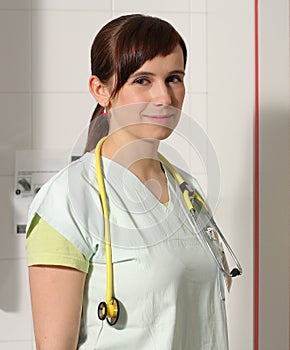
158	117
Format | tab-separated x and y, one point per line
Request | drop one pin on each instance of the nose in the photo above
162	94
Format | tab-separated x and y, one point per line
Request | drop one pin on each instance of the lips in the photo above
158	117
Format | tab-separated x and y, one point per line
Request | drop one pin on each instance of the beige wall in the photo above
274	175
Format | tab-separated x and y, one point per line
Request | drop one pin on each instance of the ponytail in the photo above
98	128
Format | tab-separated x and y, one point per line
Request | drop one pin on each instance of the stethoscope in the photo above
207	231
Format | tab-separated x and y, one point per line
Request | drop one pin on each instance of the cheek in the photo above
129	96
126	114
179	95
182	95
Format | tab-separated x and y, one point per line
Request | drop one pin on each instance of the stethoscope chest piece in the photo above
109	311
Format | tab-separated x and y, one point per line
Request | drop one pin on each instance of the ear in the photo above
99	91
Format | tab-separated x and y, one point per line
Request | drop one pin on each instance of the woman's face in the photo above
148	105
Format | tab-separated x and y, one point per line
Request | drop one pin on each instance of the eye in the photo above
141	81
174	79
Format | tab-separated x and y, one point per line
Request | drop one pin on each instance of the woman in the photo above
170	292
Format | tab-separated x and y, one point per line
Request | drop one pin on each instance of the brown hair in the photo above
120	48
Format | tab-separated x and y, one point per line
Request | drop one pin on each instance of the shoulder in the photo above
69	202
77	174
80	170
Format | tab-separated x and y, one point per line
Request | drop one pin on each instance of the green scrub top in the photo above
171	293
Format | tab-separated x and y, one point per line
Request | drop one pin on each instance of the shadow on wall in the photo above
15	134
274	169
10	288
11	274
274	224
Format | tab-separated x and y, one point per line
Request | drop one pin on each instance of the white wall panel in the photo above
12	245
197	156
71	5
151	5
198	108
15	132
15	4
60	119
15	68
61	42
198	5
16	345
193	119
230	35
15	315
197	60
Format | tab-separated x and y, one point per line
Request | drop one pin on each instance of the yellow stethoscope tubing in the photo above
107	234
181	181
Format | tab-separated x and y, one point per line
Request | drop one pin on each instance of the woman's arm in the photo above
56	297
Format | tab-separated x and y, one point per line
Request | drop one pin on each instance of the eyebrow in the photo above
177	71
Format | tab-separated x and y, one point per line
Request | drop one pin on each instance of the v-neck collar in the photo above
114	174
133	205
132	187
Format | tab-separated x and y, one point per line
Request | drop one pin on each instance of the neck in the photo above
137	155
140	157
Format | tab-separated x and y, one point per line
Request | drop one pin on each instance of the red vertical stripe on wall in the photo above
256	181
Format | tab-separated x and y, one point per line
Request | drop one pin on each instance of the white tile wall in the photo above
12	245
59	120
71	5
198	53
16	345
198	5
230	127
15	41
61	49
15	317
15	115
15	4
238	230
198	108
230	121
152	5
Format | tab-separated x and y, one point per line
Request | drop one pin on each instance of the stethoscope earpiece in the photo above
109	311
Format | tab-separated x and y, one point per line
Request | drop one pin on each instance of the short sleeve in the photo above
45	246
69	202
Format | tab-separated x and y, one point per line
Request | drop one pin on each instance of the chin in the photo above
157	133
